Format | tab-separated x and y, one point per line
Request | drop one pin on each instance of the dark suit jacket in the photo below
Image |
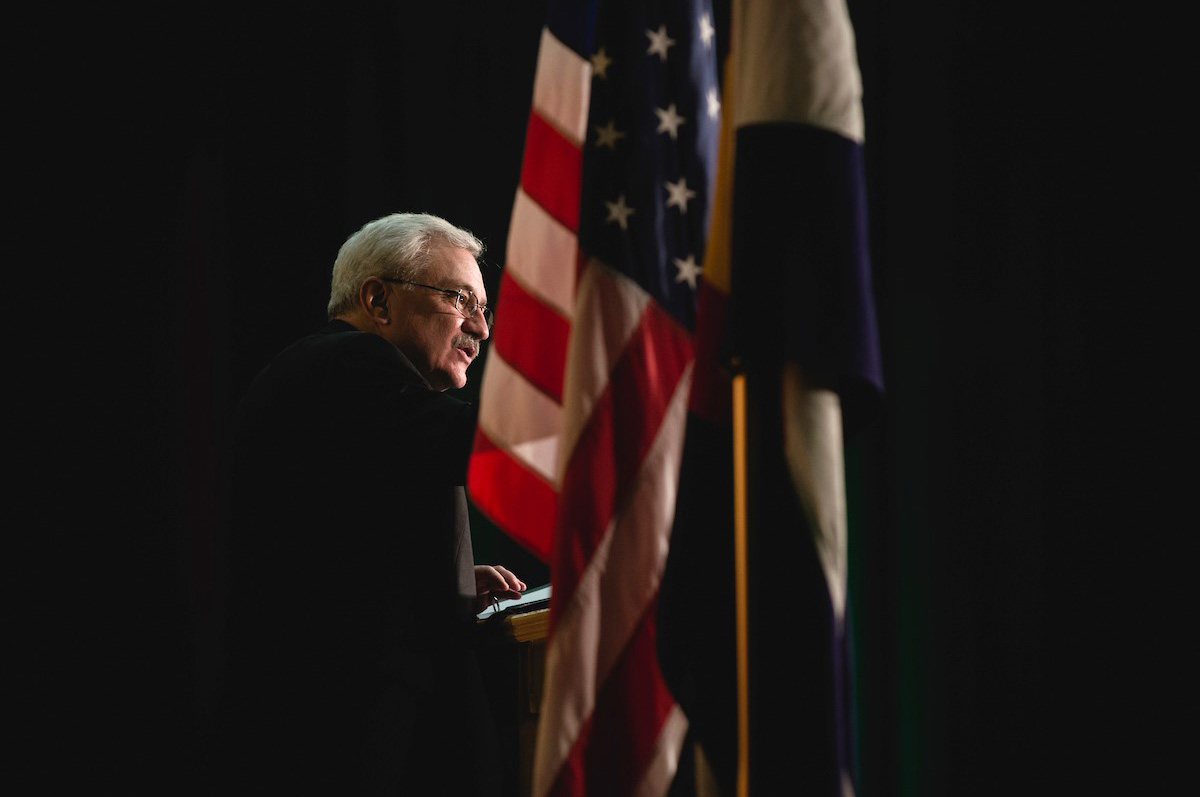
349	660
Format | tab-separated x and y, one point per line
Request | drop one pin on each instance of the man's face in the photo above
431	332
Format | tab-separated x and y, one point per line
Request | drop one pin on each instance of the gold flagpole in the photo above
740	578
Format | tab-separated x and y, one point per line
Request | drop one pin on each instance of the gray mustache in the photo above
465	340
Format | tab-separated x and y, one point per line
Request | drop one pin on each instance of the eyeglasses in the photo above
464	301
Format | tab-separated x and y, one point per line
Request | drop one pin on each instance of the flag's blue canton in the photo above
650	154
571	22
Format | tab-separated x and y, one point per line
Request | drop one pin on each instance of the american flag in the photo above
584	396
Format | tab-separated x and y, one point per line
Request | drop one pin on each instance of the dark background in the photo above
183	178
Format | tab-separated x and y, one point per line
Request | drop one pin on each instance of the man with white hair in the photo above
353	586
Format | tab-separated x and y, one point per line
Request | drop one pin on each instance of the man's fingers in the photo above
510	579
497	578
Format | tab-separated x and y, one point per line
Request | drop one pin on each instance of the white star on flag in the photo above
706	30
688	270
714	104
600	62
679	194
619	212
607	136
669	120
659	42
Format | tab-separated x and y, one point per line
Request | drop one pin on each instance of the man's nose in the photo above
477	326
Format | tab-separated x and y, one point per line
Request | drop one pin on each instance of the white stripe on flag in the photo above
542	254
518	417
561	87
608	308
812	428
660	773
797	66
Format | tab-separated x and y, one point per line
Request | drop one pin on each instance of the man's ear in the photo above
372	295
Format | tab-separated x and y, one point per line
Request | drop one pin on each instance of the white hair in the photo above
399	245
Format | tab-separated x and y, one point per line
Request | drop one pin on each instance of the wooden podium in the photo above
512	649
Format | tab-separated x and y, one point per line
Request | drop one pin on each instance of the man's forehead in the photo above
456	267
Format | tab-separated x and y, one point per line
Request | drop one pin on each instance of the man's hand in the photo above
495	583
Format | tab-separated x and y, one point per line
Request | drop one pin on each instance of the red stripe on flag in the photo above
613	750
588	495
536	343
493	478
711	388
550	171
604	465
